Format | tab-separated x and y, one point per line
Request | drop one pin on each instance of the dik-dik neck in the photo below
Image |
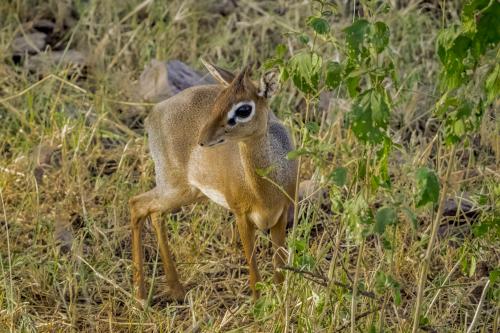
255	155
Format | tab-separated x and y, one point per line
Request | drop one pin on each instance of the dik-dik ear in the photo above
269	84
222	76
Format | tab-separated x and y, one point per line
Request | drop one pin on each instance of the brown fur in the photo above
187	172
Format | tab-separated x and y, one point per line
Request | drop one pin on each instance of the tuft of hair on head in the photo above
269	84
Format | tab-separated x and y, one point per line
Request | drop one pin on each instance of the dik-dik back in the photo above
210	142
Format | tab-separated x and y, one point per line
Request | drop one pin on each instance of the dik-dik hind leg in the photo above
177	291
141	207
247	235
278	237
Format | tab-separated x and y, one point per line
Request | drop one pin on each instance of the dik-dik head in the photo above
240	111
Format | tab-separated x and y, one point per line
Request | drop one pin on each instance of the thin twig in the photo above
323	281
479	305
358	317
111	282
444	282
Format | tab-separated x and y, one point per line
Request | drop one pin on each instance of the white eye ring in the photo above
232	113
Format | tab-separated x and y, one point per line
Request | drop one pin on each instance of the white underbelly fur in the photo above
211	193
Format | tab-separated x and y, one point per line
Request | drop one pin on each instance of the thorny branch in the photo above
323	280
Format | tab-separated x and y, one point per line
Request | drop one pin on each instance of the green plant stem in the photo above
355	287
428	253
295	220
382	310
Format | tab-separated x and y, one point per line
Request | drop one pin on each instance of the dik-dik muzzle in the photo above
212	134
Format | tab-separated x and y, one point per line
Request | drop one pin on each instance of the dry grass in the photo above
72	151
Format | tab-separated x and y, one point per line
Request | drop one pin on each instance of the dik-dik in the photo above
208	142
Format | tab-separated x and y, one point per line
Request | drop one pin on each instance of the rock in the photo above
458	216
181	76
465	212
153	82
29	43
224	7
45	26
161	79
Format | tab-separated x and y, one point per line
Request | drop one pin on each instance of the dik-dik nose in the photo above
202	141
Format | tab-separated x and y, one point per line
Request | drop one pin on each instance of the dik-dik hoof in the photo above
255	295
177	294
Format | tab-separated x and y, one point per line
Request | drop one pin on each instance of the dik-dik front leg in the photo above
151	204
247	236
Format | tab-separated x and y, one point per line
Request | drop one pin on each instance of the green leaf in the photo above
369	117
280	51
304	39
423	321
319	24
459	127
488	227
355	35
333	74
306	68
385	216
339	176
312	127
460	116
473	265
396	295
294	154
488	29
300	245
380	36
492	84
353	86
383	163
428	187
494	276
272	63
264	172
385	282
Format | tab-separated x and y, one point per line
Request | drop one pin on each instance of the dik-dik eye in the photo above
241	112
